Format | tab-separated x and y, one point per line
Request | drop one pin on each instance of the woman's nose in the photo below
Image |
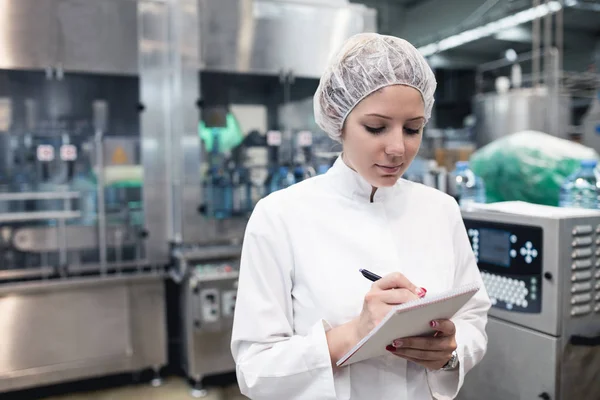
395	147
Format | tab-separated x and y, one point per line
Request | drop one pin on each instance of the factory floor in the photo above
173	388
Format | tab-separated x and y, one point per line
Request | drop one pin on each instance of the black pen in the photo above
369	275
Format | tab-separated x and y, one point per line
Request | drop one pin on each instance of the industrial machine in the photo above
83	210
208	297
541	268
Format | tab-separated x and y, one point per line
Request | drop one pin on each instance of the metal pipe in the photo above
60	195
37	216
547	43
560	39
100	110
536	47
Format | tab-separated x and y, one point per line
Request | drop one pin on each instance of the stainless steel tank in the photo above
500	114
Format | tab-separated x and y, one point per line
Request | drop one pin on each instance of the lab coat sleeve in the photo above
272	362
470	321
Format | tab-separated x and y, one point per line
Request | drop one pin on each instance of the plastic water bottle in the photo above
469	188
282	180
581	190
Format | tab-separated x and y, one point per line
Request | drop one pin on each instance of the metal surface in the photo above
74	35
499	115
208	302
519	364
61	331
267	37
155	125
43	238
570	308
184	145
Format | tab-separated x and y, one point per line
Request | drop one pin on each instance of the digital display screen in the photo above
494	247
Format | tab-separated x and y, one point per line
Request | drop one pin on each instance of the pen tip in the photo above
360	270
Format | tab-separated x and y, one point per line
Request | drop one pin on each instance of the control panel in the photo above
214	289
510	261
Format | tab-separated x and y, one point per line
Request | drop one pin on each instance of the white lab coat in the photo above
299	277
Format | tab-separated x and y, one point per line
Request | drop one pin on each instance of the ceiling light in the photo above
491	28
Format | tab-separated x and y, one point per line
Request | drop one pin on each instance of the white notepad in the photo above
409	319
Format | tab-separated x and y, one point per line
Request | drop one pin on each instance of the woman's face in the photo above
382	134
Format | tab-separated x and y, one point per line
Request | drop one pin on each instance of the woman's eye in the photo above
411	131
374	129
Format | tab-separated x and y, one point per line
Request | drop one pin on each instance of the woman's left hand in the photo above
431	352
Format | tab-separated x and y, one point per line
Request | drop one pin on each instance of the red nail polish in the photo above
390	348
422	292
433	324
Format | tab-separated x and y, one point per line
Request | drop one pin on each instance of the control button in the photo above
513	253
597	287
582	241
524	304
509	306
533	296
581	264
598	229
475	247
582	253
528	245
533	281
475	240
597	308
597	274
522	284
581	287
513	239
597	297
582	229
533	288
523	251
581	276
581	310
581	298
227	268
528	259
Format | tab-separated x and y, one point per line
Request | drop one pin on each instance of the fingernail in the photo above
421	292
397	343
390	348
433	324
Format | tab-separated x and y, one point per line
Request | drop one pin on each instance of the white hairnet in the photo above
365	63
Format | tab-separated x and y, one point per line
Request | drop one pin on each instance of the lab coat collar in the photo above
349	183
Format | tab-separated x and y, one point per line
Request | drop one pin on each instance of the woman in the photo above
301	301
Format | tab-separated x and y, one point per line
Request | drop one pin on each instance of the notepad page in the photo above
409	319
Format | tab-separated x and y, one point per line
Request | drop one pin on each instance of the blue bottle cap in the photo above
283	170
462	164
589	163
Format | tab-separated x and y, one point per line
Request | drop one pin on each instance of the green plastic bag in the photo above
528	166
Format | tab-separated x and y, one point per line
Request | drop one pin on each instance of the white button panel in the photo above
513	292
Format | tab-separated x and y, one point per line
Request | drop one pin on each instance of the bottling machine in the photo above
541	268
83	243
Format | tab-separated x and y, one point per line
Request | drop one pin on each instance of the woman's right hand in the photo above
385	293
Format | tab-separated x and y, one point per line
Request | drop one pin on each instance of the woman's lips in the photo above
387	169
